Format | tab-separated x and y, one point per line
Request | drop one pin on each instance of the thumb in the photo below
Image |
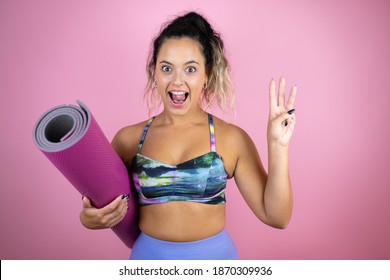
285	117
86	202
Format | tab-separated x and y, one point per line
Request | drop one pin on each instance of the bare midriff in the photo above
182	221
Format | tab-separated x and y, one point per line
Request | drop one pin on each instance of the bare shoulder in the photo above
230	134
232	142
126	140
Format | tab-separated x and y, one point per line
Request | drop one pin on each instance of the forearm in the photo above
278	193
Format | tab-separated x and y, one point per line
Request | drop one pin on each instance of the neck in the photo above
193	117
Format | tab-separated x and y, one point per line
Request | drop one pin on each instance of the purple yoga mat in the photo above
72	140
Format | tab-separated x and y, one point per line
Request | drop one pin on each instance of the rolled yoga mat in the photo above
72	140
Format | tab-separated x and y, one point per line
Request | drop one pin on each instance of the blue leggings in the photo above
216	247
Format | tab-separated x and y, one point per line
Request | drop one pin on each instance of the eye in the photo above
191	69
166	68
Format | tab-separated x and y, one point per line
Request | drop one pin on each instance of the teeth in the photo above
178	92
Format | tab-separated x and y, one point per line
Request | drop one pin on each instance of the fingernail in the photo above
82	198
125	196
291	111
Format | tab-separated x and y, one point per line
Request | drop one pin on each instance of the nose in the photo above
177	80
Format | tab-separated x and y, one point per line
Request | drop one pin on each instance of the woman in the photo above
179	160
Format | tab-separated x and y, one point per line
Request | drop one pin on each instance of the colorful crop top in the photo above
201	179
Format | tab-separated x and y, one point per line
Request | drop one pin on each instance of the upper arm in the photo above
249	173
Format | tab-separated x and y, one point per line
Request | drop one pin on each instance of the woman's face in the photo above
180	74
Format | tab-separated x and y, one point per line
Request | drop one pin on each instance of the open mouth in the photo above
178	97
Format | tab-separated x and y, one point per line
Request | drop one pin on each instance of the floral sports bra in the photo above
201	179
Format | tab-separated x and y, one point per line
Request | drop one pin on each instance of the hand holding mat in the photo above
72	140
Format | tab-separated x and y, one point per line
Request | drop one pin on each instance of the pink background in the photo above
337	52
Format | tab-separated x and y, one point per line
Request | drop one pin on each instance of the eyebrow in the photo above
188	62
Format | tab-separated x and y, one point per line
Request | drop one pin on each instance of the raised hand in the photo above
281	121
